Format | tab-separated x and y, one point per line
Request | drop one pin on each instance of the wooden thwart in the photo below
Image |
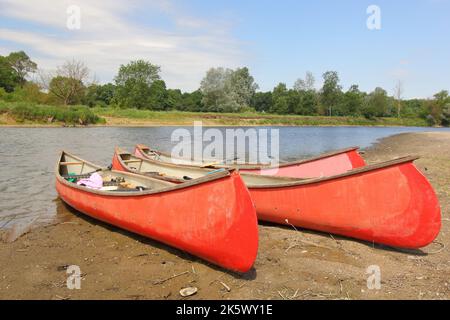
70	163
131	161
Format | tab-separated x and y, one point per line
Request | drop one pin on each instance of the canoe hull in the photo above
395	206
389	203
215	221
323	167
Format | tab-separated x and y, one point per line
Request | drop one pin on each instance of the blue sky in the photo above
278	40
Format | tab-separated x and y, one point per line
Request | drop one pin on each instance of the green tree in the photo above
438	108
308	104
30	92
22	65
294	102
68	85
446	115
262	101
213	88
8	78
376	104
99	95
133	83
442	98
413	108
192	101
243	85
226	90
158	95
352	102
304	98
280	98
67	90
174	99
306	84
331	91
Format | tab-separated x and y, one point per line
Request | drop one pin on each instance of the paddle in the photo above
216	171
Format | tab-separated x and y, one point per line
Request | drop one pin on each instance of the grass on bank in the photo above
248	118
28	113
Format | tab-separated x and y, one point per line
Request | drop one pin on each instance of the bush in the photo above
43	113
2	93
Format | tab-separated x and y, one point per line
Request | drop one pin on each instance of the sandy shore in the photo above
290	265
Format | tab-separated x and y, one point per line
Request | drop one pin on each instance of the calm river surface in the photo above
28	157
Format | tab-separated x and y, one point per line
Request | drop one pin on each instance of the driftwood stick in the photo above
309	243
225	286
169	278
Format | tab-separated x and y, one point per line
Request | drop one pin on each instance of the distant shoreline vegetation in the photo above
225	96
21	113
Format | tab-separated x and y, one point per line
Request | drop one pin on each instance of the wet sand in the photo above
291	264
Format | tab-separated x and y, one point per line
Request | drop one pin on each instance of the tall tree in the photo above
352	102
100	95
438	108
262	101
69	83
133	83
243	85
158	95
331	90
308	104
280	98
213	88
306	84
138	71
22	65
398	92
226	90
67	90
174	99
376	103
8	78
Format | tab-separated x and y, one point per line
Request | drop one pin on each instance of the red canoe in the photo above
212	217
326	164
390	203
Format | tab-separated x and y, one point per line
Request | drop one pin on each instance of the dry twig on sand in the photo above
309	243
169	278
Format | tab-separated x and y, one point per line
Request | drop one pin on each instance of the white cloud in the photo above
110	36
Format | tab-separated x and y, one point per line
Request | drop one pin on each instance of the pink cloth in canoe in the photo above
95	181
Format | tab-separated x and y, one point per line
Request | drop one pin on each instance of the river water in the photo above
28	157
